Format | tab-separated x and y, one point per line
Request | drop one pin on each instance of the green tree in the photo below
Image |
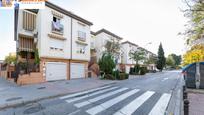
151	60
106	63
170	61
177	59
10	59
195	13
113	48
161	61
137	55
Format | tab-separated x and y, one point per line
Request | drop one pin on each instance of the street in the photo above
150	94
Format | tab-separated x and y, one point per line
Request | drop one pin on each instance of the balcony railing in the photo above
57	27
29	21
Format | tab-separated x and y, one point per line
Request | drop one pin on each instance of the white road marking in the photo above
165	79
74	112
111	102
88	95
135	104
99	98
161	105
84	92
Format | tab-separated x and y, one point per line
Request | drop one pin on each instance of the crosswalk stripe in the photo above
88	95
161	105
84	92
111	102
135	104
99	98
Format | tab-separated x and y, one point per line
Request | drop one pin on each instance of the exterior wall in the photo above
45	27
77	26
126	48
32	78
100	42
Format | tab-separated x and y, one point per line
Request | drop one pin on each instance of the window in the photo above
81	32
81	49
81	36
57	45
57	26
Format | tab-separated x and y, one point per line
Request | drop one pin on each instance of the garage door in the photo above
77	70
56	71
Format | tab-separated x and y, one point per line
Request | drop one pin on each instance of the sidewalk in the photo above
196	98
13	95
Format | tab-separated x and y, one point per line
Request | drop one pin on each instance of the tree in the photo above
170	61
137	55
10	59
195	54
161	61
177	59
151	60
113	48
106	63
195	26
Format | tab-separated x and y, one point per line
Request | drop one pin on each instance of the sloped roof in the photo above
107	32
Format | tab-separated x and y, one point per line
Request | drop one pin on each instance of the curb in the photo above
24	102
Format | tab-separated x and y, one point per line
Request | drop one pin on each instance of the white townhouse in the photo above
126	48
62	39
99	40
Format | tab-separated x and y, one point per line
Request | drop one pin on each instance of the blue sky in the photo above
139	21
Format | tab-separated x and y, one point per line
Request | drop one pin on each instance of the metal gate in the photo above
190	79
202	75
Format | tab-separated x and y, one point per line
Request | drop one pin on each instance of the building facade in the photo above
99	40
59	39
126	48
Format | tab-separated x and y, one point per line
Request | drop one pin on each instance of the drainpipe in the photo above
71	50
71	38
197	75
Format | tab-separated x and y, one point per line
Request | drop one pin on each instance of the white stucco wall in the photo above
126	49
75	28
100	41
45	28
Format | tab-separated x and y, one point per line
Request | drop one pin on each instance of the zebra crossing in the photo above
99	100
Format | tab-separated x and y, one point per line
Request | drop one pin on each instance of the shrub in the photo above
107	64
123	76
109	76
116	74
143	70
137	68
131	71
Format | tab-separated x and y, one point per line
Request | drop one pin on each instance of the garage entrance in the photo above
77	70
56	71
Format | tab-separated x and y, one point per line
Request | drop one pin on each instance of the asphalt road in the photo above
148	95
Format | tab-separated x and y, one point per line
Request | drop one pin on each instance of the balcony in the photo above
57	28
26	44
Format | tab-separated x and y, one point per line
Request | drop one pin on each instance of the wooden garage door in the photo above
56	71
77	70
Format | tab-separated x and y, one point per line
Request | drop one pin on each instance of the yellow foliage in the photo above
194	55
